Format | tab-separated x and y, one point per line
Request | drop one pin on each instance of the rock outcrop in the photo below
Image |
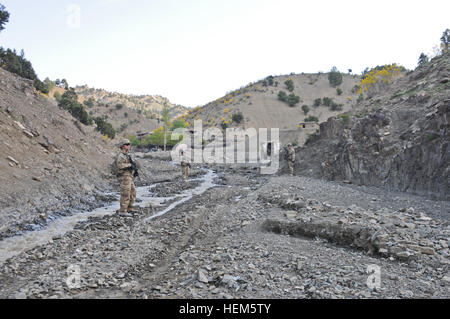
397	140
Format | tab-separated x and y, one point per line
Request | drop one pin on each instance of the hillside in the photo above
51	163
125	120
261	108
398	139
148	105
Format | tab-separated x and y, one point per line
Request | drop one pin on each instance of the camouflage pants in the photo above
127	192
185	172
290	166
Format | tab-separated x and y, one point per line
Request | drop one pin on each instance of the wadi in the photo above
365	213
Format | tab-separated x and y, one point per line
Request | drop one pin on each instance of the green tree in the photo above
89	102
445	40
49	84
423	59
134	140
293	99
104	127
4	17
290	85
335	77
269	80
14	63
338	91
177	124
305	109
65	84
237	117
311	119
327	101
40	86
69	102
165	114
317	102
282	96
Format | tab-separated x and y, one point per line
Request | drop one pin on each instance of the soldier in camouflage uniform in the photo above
290	159
185	165
126	166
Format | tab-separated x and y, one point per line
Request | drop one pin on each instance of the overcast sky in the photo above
193	52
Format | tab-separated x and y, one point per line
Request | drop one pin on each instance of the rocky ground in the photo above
250	236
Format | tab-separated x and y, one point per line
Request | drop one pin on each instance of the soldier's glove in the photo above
133	166
136	173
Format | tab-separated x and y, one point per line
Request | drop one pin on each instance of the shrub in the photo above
338	91
134	140
355	89
40	86
317	102
345	118
379	78
290	85
237	117
178	123
293	99
305	109
327	101
119	106
90	102
57	96
311	119
336	107
335	77
105	127
69	101
282	96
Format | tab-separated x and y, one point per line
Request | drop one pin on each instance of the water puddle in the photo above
10	247
207	183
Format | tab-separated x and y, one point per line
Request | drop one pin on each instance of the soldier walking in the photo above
125	169
290	159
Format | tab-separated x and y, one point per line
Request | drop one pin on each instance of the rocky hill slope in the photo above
397	139
147	105
51	163
126	118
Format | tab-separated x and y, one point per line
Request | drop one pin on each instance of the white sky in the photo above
193	52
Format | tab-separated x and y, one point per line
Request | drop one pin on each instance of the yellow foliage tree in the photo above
379	78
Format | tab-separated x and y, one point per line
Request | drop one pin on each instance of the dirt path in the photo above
214	246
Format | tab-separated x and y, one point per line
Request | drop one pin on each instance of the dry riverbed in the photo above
246	236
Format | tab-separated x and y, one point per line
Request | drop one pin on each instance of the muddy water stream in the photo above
13	246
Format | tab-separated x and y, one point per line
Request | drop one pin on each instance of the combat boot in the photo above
123	214
133	210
